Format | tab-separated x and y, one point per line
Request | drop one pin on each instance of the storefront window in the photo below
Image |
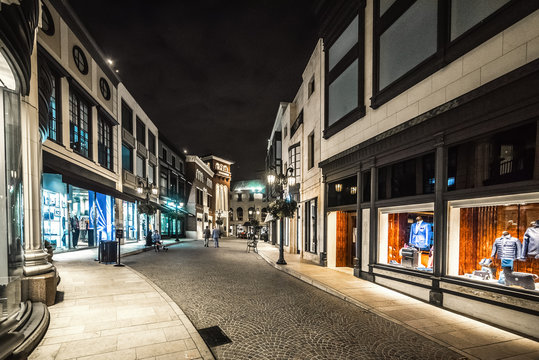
11	195
500	158
130	220
310	225
407	237
342	192
495	240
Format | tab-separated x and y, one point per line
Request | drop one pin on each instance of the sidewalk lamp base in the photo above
281	262
119	265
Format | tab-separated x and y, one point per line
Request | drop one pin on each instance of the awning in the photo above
78	176
269	218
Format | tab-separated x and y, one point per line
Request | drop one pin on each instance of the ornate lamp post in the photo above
279	182
145	188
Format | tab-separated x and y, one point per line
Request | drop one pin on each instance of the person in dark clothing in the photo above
75	229
149	240
207	235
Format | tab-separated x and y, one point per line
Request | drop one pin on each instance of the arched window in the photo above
239	213
251	213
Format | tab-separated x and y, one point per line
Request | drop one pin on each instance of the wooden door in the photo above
342	252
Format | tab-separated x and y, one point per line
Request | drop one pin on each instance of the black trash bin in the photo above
108	251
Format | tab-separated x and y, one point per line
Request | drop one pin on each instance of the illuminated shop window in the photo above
495	240
407	237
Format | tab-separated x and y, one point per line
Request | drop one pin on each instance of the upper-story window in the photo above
164	154
238	197
294	161
151	142
141	132
173	161
163	183
413	39
345	72
199	175
127	158
209	183
310	144
47	24
79	124
127	118
141	167
104	88
311	87
80	60
55	124
251	196
104	142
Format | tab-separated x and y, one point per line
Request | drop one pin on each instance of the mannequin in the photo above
506	247
421	234
530	246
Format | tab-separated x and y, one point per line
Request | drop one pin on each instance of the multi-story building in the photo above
247	202
81	163
300	129
140	168
221	189
172	190
429	150
199	196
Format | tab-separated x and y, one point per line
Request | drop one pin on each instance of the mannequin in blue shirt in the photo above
421	235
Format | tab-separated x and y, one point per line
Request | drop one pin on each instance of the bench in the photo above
252	244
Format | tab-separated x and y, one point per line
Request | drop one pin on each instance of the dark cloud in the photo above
209	73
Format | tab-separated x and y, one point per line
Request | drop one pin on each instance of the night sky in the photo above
210	74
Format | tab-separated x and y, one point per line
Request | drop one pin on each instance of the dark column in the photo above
440	217
357	259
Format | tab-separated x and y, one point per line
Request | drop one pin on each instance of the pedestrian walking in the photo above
216	234
207	235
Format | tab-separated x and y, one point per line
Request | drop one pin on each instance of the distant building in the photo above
199	196
247	201
172	190
221	188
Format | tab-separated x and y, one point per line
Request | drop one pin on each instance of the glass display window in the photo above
130	220
406	236
495	240
54	215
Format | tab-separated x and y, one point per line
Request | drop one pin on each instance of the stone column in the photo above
40	279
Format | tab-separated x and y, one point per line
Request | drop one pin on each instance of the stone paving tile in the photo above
505	349
129	354
270	315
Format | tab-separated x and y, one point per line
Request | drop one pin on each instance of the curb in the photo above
359	304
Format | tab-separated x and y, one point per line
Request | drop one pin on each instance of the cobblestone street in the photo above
270	315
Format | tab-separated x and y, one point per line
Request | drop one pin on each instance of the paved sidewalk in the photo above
111	312
469	337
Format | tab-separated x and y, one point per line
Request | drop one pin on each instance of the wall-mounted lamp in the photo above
353	190
338	187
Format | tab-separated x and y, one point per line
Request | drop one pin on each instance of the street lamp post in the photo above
279	182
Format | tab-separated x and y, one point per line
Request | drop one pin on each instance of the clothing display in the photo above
530	245
506	247
421	235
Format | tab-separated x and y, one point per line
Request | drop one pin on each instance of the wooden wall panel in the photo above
341	239
480	226
397	235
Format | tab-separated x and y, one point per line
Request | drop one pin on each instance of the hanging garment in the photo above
530	246
506	247
421	235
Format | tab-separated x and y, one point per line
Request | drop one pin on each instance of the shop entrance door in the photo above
345	239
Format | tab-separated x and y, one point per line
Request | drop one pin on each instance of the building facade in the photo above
221	189
199	196
429	152
247	202
140	167
172	190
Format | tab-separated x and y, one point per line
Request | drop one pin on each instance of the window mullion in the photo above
392	14
444	21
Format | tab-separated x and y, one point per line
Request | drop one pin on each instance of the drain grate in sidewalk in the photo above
214	336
